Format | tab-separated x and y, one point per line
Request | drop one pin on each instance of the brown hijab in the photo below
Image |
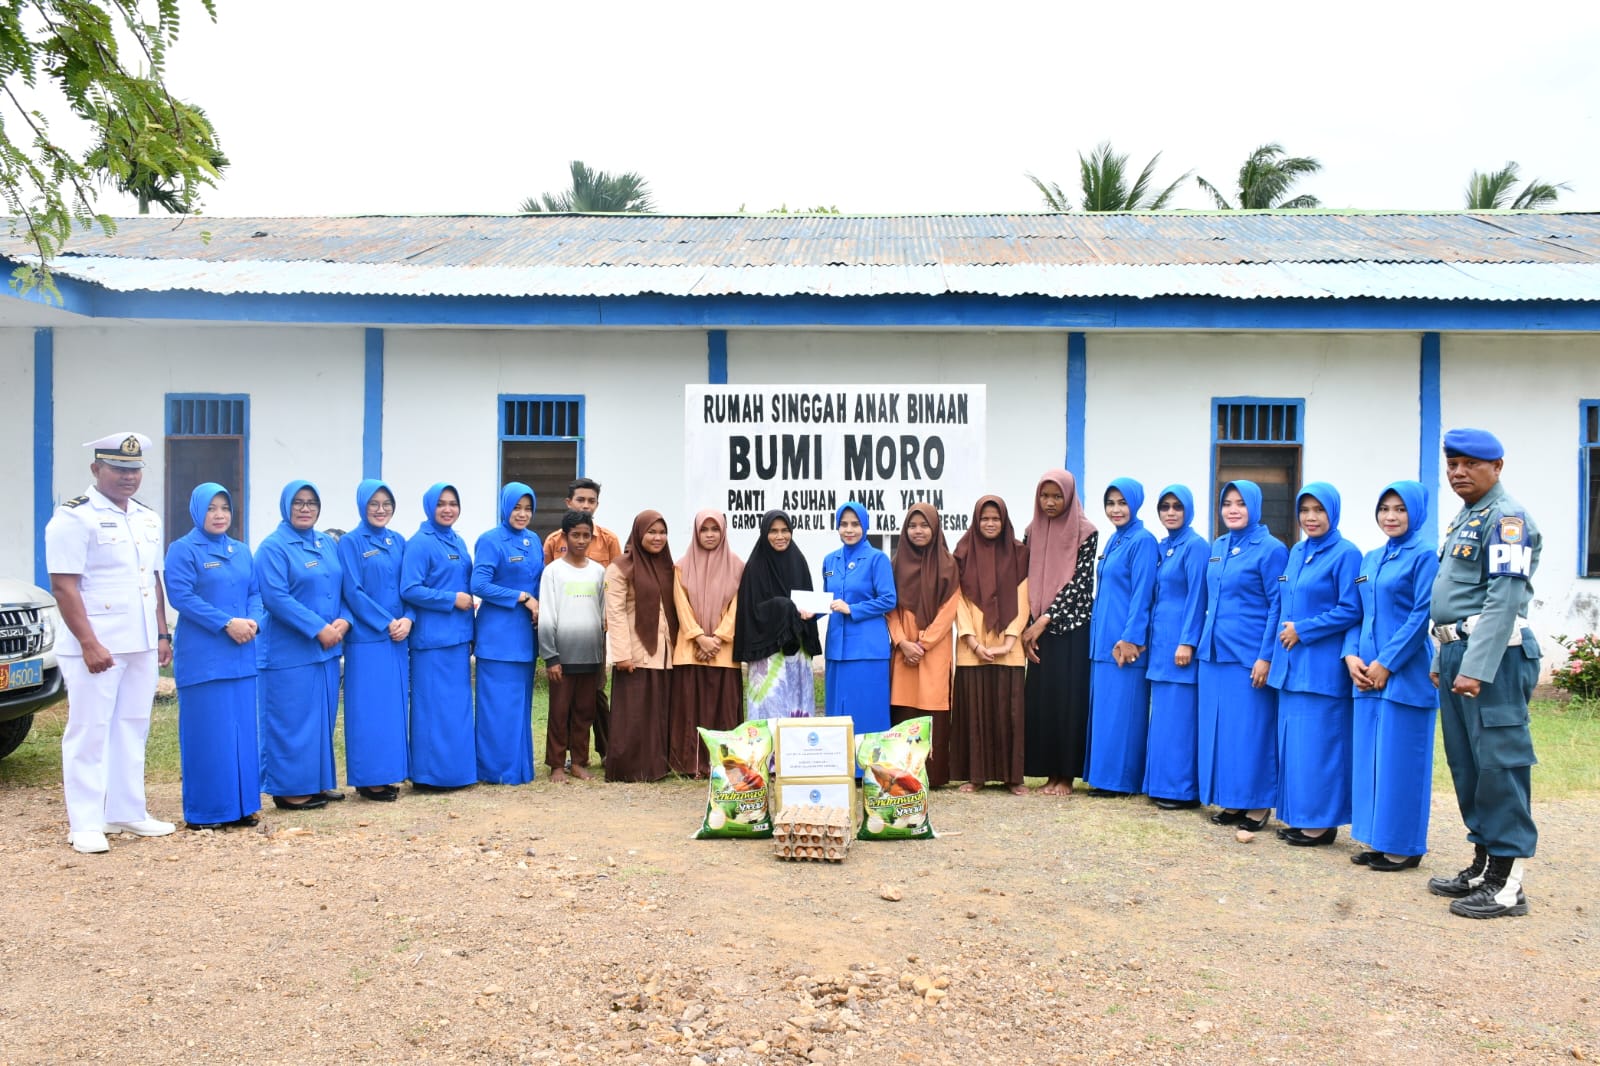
1053	543
991	570
924	578
710	578
651	578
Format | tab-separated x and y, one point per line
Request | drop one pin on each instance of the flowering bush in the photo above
1581	673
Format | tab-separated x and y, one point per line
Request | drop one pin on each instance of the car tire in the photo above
13	733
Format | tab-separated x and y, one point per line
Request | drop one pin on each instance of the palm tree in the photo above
596	191
1103	176
1489	192
1265	180
145	183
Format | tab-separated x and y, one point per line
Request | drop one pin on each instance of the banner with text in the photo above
807	450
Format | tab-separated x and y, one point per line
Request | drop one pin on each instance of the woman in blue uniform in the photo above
1238	713
435	579
300	579
1388	657
1119	634
377	655
1170	769
508	562
211	584
1317	606
857	649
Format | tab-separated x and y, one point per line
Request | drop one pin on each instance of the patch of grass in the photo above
1566	739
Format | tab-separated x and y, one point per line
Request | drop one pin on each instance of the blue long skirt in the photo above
1238	733
442	749
1119	723
218	752
298	705
1171	768
504	736
1313	759
1392	775
377	683
858	688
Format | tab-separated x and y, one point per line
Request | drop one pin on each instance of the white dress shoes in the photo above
88	842
144	827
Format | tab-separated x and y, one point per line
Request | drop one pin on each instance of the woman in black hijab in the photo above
770	633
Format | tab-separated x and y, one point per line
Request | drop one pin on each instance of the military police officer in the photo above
1486	666
103	550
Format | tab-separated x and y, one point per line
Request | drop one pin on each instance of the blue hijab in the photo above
850	551
306	536
430	503
1328	496
1184	532
1133	492
199	500
509	496
1250	492
364	493
1415	497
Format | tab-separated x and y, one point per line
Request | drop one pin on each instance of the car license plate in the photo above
26	674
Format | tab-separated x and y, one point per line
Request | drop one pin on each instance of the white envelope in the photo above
815	602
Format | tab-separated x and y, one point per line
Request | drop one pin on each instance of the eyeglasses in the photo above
1173	506
305	505
380	505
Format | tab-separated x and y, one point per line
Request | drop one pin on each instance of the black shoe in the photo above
1364	858
333	795
1285	830
1106	793
1255	825
1227	818
423	786
1500	894
197	826
1177	805
313	804
380	793
1380	861
249	821
1465	881
1301	839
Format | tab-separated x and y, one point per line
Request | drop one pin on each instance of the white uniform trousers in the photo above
102	750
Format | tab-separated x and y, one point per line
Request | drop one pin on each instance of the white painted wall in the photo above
1149	412
305	388
441	417
16	444
1525	389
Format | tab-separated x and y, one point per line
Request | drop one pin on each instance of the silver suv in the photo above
29	677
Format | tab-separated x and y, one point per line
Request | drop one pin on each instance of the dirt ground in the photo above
578	923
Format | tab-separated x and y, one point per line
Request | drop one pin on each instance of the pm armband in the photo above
1509	555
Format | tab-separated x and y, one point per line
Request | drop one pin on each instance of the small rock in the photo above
1203	1026
892	893
942	981
922	985
759	1047
1244	836
692	1013
935	995
1133	964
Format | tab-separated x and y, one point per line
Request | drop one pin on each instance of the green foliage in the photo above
1103	177
148	182
783	209
141	132
1265	180
1491	191
1580	675
596	191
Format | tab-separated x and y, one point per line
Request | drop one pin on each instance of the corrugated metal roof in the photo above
1519	256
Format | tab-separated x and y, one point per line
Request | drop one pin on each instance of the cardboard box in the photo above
818	792
814	747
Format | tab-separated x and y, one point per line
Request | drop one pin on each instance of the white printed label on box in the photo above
839	794
816	747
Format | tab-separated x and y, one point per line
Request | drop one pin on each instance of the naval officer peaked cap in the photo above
1474	444
121	449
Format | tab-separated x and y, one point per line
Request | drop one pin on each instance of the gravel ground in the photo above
578	923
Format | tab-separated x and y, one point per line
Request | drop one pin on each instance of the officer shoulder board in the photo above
76	501
1509	554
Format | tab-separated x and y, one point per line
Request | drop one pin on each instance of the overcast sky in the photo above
394	106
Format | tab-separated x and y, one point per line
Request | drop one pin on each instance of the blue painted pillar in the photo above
716	357
1077	402
372	408
44	445
1432	432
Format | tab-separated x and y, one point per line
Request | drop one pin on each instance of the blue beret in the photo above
1474	444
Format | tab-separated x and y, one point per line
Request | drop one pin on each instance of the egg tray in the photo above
811	834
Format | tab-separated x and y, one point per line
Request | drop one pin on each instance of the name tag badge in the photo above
1283	577
453	557
108	525
313	562
1215	559
516	558
1360	579
370	554
210	566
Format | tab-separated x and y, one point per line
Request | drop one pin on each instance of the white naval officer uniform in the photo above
118	557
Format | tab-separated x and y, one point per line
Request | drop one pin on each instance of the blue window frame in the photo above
542	445
208	439
1589	488
1259	439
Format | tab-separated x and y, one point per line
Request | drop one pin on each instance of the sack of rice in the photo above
894	786
736	797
